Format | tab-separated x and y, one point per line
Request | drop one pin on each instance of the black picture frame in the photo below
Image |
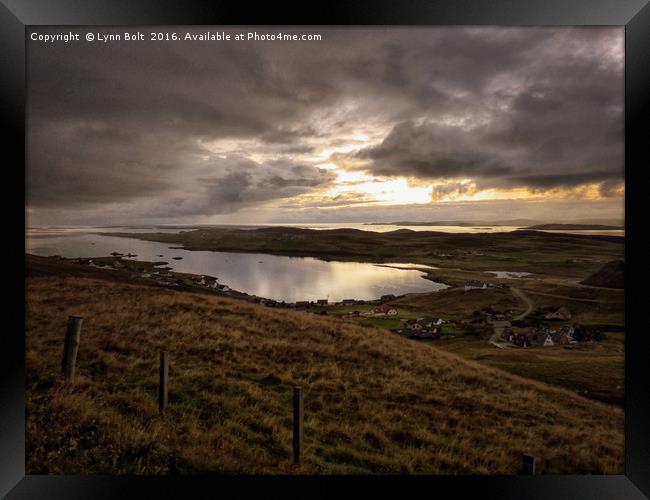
17	15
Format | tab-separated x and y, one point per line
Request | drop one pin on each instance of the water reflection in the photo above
276	277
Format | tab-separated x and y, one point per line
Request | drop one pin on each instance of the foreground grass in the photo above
374	402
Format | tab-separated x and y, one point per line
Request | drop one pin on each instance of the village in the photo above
553	328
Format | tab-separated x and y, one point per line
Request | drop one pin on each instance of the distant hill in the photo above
511	222
574	227
610	276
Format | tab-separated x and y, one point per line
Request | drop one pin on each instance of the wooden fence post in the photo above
528	465
70	347
164	377
298	413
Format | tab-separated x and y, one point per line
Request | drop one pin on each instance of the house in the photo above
475	285
431	334
412	324
562	313
498	312
348	302
429	321
322	302
521	340
582	334
384	310
537	335
423	324
567	330
498	309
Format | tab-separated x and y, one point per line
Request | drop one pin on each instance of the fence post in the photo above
70	347
298	413
164	377
528	465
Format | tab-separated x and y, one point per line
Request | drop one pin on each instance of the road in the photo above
521	295
495	339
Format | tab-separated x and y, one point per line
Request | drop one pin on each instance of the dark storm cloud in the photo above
238	182
122	122
431	151
541	115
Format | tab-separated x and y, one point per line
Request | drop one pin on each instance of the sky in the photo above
364	125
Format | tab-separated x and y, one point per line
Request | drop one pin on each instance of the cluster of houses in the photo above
380	311
565	335
210	282
541	335
322	303
456	253
482	285
309	303
425	328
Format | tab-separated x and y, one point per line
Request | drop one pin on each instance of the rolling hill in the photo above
374	402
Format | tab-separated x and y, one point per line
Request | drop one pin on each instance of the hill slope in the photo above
611	275
374	402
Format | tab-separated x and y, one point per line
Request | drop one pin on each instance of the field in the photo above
374	402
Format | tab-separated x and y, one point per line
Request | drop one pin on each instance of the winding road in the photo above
521	295
494	340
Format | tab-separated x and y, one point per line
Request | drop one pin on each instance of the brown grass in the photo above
374	402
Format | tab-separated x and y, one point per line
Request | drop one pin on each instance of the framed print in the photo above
362	245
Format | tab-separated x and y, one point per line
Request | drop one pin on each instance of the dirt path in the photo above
495	338
521	295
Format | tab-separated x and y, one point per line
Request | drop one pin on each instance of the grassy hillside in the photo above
374	402
612	275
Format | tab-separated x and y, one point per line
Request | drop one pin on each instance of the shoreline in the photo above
153	273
